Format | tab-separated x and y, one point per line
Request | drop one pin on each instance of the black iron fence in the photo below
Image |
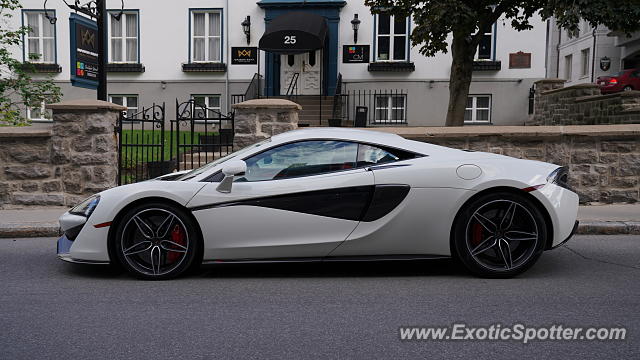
380	107
142	145
201	134
146	149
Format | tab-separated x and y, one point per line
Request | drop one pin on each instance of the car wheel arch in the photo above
516	191
155	199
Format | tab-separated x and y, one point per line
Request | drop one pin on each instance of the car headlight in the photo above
86	207
560	177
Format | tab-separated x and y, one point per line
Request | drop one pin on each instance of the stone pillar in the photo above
539	102
259	119
84	147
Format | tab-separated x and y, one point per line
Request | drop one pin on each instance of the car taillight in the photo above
613	81
560	177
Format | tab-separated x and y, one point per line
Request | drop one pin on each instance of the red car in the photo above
625	80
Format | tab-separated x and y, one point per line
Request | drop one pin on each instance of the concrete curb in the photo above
28	230
591	227
596	227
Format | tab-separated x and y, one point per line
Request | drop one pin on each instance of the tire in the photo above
627	88
499	235
156	241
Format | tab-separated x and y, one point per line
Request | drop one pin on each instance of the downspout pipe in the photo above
593	60
227	51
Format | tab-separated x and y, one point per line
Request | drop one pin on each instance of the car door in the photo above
296	200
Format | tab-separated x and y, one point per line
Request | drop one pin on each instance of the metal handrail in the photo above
253	90
293	85
337	97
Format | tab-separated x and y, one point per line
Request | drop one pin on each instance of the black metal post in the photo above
101	19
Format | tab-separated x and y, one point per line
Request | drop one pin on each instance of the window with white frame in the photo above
206	36
208	103
478	109
568	67
390	109
40	40
392	38
584	61
128	101
123	37
39	113
485	48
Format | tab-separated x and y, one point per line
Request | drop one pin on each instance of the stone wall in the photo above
582	104
604	160
62	163
259	119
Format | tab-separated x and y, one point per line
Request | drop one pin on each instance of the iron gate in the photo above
146	149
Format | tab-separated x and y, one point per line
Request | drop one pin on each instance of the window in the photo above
206	36
485	48
303	158
371	155
390	109
391	38
40	41
130	101
584	57
478	109
209	103
123	36
39	113
568	70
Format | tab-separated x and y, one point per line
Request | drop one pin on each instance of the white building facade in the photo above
162	50
584	55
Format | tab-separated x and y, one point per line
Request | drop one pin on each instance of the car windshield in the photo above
195	172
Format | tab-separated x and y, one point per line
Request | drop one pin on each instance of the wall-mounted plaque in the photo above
355	54
244	55
520	60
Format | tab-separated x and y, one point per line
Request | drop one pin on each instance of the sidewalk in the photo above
597	219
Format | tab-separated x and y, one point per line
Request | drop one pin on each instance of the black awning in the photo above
294	32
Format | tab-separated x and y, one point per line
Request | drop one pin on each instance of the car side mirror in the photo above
230	169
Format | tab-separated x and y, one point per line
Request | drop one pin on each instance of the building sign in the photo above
244	55
84	52
605	63
520	60
355	54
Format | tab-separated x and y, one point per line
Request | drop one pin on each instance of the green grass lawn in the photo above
134	154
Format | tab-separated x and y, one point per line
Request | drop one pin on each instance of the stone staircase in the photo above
312	113
197	159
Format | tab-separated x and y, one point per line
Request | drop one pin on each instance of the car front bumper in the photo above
63	250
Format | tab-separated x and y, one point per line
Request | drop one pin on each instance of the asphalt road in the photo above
51	309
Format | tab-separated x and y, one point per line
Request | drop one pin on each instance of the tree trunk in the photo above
463	51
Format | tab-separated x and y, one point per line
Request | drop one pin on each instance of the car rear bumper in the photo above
573	231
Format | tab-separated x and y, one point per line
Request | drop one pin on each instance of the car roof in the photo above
367	136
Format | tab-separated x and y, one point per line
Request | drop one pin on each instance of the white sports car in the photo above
330	195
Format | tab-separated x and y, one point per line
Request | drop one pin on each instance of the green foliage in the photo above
18	89
434	20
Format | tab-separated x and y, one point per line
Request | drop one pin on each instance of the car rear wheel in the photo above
156	241
499	235
627	88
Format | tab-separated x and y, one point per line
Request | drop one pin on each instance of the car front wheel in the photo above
499	235
156	241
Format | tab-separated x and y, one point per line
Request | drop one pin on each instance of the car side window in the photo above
369	155
302	158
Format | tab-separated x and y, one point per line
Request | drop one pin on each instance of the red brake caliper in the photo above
177	236
477	234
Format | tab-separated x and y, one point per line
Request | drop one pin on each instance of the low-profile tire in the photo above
156	241
499	235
